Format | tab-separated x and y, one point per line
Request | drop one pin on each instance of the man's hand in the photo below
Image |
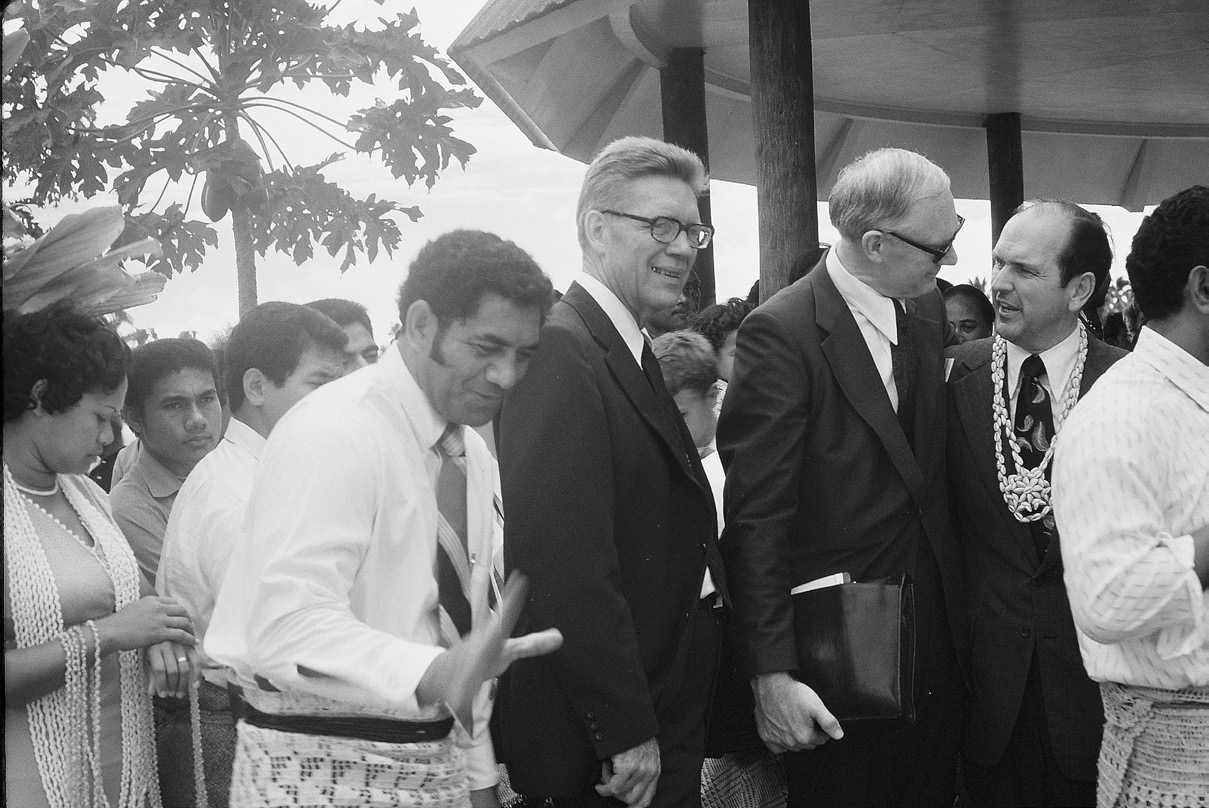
456	675
790	716
630	776
484	798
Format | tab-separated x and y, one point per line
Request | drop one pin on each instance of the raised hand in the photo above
456	675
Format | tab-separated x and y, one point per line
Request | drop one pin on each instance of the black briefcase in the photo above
856	648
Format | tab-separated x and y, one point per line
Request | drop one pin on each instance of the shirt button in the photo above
599	736
1025	631
593	725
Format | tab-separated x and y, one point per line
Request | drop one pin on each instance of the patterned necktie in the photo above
904	359
1034	430
453	563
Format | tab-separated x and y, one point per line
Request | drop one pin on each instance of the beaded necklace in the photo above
1026	491
65	725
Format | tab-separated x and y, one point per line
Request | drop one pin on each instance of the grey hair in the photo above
631	158
875	190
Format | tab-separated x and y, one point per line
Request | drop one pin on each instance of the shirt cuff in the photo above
1181	640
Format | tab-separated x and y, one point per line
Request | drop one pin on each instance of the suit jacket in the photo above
1018	604
609	514
820	477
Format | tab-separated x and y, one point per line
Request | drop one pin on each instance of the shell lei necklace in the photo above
1026	491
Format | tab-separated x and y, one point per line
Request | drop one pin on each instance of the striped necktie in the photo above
453	562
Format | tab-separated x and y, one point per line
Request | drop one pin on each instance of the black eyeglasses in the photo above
665	229
938	253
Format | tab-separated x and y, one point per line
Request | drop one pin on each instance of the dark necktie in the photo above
1034	430
904	358
453	562
654	376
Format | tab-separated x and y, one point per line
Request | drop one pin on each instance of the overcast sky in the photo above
509	187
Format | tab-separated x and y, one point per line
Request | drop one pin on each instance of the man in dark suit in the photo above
1035	719
608	511
833	434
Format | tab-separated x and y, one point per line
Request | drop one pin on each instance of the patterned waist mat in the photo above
360	727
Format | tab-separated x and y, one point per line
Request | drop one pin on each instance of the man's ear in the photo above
134	417
1197	288
872	244
253	386
1080	290
36	393
594	230
420	327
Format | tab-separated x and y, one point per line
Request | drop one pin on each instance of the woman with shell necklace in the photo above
81	627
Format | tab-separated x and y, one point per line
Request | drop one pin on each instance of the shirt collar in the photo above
428	423
872	304
160	481
244	437
617	313
1184	370
1059	364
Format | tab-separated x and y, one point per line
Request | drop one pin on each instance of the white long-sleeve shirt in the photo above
204	528
332	591
1131	482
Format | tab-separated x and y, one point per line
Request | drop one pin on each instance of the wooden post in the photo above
682	87
1005	168
782	99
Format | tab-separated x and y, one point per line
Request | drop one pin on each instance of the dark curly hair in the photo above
72	352
715	322
453	272
1171	241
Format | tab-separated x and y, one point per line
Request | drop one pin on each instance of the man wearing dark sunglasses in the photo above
833	434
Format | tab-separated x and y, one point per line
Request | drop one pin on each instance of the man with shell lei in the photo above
1034	724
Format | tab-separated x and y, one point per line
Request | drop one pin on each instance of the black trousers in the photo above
894	764
682	726
1028	775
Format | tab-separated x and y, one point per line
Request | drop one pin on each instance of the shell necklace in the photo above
1026	491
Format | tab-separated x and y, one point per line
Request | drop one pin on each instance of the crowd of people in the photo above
542	550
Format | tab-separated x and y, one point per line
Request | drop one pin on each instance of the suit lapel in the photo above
858	379
972	393
633	382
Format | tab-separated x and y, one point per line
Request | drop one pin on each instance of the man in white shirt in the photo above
1033	732
276	354
1131	496
832	433
354	614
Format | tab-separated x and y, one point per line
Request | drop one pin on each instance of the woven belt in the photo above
365	728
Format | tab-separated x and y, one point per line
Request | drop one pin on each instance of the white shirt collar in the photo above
876	307
1184	370
244	437
1059	364
428	423
617	313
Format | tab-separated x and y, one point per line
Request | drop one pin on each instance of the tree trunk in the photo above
241	227
782	99
245	256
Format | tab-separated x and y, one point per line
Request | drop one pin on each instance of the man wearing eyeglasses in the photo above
833	435
609	513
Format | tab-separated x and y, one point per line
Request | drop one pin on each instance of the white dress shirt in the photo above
204	527
874	315
1059	365
1131	482
332	593
618	314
